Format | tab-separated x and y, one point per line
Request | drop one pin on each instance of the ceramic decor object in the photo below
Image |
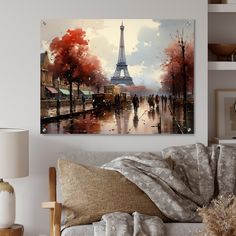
7	205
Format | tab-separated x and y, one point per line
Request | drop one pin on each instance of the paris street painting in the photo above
117	76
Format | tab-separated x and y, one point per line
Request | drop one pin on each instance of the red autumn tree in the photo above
179	68
72	61
93	71
190	66
98	81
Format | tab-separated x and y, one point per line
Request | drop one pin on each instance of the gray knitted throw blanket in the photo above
196	176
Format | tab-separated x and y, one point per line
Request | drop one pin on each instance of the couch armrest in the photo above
55	217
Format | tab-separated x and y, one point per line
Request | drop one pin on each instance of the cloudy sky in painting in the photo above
145	41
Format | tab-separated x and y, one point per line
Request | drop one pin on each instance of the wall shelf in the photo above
222	8
224	141
224	65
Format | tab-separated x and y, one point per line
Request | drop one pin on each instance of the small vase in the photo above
7	205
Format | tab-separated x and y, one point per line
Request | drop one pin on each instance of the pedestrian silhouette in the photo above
135	102
151	102
83	102
162	101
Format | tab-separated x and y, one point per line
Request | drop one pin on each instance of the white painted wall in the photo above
19	87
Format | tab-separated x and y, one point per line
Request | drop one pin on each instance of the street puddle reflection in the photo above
145	120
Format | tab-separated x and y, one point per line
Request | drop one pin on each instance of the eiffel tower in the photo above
121	75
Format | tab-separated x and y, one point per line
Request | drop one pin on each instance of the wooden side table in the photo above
15	230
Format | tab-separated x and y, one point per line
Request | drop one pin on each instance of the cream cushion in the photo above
89	192
172	229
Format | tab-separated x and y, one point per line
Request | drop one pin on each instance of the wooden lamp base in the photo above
15	230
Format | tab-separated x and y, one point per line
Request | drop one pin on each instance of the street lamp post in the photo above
58	97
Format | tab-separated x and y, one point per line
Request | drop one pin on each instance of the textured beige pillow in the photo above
90	192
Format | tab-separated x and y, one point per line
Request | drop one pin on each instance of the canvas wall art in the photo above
117	76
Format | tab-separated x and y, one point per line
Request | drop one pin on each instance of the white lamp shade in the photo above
14	153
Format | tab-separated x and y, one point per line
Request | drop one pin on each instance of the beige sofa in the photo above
99	158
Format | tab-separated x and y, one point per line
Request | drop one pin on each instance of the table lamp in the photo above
14	163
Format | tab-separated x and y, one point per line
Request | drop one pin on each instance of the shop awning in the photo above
86	92
51	90
65	92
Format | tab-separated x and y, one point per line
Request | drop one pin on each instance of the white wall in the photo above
19	87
